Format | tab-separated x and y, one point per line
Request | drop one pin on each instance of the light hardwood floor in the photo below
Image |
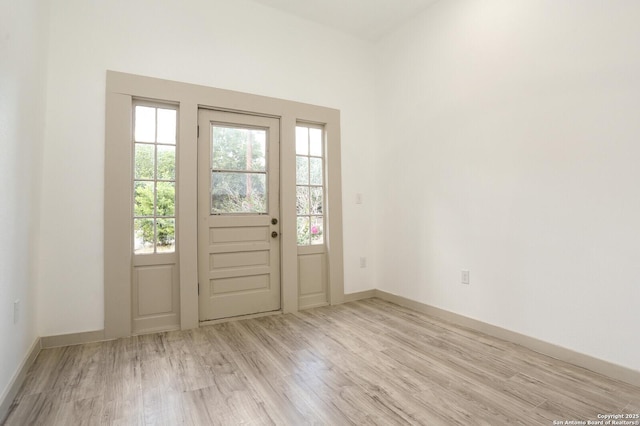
366	362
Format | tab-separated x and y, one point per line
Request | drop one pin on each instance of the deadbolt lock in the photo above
274	221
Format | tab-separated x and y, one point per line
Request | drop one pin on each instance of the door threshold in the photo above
241	317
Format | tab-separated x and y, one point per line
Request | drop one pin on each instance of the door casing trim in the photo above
121	89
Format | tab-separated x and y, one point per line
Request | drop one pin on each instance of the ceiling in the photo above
365	19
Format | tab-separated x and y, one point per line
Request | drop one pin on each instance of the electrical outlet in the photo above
16	311
363	262
465	277
358	198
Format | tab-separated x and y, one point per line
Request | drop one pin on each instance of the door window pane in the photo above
238	170
237	192
239	149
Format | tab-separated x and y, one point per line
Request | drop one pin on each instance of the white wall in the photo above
236	45
510	147
22	54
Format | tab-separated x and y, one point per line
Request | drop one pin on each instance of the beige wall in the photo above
517	128
22	72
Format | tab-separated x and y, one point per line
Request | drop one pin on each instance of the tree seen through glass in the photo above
154	180
310	185
239	174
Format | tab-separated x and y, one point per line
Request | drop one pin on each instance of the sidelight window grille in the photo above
310	189
154	174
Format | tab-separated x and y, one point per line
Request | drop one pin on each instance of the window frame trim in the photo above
121	90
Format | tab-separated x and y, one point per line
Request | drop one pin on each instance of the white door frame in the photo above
122	88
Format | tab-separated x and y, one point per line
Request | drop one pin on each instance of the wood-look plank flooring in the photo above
366	362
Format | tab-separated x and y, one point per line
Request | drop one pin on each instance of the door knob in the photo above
274	234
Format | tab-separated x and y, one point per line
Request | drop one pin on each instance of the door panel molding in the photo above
122	89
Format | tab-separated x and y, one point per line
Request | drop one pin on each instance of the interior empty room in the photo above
320	212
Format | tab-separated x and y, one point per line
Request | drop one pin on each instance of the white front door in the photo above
238	214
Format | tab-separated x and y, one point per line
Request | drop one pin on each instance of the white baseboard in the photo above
597	365
6	399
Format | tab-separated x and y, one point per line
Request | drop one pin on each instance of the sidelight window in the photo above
310	184
154	185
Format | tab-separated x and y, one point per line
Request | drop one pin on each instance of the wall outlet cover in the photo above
16	311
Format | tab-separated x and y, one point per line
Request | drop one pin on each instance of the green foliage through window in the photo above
154	184
310	185
239	179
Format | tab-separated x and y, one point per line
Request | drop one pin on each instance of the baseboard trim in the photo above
18	379
352	297
72	339
597	365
